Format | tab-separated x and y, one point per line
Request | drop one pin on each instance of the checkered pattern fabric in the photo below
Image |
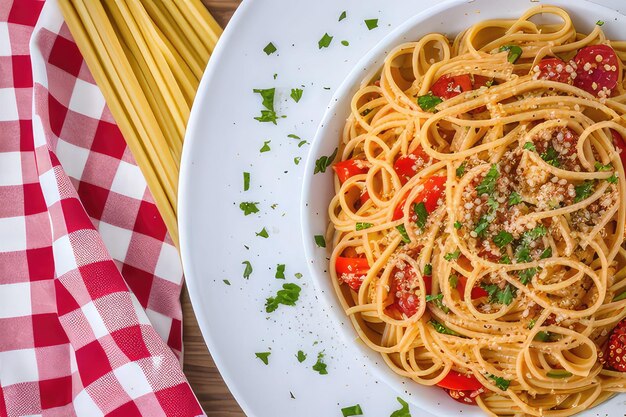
90	318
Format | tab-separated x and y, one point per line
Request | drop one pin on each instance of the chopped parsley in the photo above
484	221
302	142
530	146
371	23
428	269
265	147
504	259
612	179
440	328
363	226
583	191
526	275
453	280
502	239
488	184
320	365
404	411
551	156
498	295
438	301
269	49
500	382
320	241
345	43
287	296
280	271
298	275
227	282
542	336
263	233
324	162
342	16
301	356
600	167
296	94
292	136
451	256
297	160
246	181
559	374
522	252
248	208
546	253
531	324
421	214
514	199
514	52
269	114
264	356
620	297
403	233
325	41
461	170
457	225
247	270
600	22
354	410
428	102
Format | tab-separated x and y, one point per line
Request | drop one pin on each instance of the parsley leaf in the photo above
620	297
522	254
583	191
461	170
428	102
457	225
404	411
265	147
343	16
301	356
440	328
292	136
269	49
268	115
227	282
453	280
296	94
502	239
428	269
248	269
280	271
559	374
500	382
287	296
526	275
542	336
248	208
421	213
600	22
546	253
488	184
345	43
320	365
504	259
263	233
438	301
246	181
363	226
264	356
320	241
324	162
297	275
551	156
297	160
484	221
514	52
451	256
501	296
600	167
403	233
354	410
612	179
530	146
371	23
325	41
514	199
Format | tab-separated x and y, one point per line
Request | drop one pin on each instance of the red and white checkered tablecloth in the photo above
90	318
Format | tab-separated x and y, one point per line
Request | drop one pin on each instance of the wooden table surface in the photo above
203	376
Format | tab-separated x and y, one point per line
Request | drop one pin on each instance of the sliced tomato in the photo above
350	168
448	86
406	166
460	382
554	69
597	68
405	300
620	144
352	270
477	292
433	190
465	397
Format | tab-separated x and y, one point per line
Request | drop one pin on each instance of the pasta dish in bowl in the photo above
478	217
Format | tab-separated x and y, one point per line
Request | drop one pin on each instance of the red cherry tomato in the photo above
349	168
554	69
406	166
448	86
597	69
405	300
477	292
460	382
352	270
433	190
620	144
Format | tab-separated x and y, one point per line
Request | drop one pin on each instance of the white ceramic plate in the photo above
223	141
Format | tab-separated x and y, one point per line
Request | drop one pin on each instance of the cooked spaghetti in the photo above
480	212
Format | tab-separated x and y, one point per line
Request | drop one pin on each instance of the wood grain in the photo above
200	369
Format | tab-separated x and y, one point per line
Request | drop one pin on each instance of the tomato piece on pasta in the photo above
433	191
408	165
615	354
352	270
554	69
350	168
477	292
448	86
460	382
597	70
403	289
